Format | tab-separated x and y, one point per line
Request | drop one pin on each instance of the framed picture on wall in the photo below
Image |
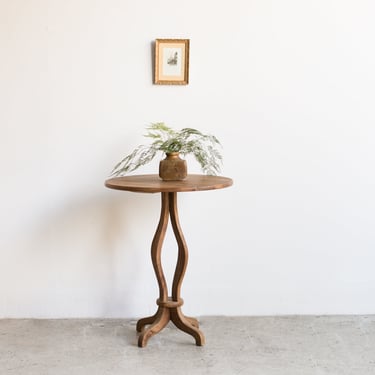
171	62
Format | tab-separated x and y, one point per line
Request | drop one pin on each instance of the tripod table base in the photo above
168	310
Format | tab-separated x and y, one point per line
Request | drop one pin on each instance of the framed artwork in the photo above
171	62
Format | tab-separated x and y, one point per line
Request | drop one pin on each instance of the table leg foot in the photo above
146	321
162	318
188	325
194	322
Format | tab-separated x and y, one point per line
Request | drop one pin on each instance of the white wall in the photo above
287	86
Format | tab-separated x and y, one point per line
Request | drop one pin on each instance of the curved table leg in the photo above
187	324
162	319
184	323
146	321
194	322
169	307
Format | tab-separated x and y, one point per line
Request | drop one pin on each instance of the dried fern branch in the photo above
204	147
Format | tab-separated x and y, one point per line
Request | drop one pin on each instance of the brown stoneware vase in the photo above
173	168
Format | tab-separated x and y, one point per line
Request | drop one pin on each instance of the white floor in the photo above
300	345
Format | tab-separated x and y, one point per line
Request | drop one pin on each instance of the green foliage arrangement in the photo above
203	147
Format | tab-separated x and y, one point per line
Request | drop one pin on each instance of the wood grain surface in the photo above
151	183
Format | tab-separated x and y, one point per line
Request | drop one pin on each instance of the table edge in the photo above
226	182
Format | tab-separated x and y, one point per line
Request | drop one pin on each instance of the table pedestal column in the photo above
169	307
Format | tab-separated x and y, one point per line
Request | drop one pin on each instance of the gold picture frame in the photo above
171	61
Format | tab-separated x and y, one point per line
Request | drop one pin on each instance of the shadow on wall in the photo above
80	259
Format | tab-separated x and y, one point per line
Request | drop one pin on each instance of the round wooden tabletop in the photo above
151	183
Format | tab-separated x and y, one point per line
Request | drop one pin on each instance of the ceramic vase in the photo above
172	168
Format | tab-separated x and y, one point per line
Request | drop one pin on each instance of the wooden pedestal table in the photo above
169	307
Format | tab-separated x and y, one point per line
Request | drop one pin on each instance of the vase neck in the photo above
173	155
